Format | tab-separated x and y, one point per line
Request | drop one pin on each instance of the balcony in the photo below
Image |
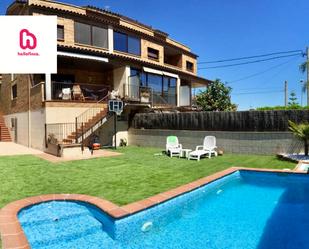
146	95
78	92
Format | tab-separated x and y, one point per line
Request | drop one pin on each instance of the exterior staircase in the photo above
4	131
85	129
65	136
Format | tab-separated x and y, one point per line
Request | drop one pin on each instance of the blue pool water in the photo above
243	210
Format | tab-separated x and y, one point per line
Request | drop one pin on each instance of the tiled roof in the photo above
115	18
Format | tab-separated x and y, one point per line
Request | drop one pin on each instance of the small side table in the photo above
184	153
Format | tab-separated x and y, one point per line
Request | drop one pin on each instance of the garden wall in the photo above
263	143
248	132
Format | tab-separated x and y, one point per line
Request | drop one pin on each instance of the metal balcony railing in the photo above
137	93
148	95
80	92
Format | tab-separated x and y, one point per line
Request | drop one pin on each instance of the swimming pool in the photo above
246	209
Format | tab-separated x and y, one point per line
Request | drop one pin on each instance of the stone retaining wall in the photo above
267	143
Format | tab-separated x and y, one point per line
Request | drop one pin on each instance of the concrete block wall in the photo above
37	128
106	132
263	143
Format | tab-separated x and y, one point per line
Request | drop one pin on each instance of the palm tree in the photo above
303	68
301	131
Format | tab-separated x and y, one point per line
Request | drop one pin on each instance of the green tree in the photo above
216	98
301	131
293	99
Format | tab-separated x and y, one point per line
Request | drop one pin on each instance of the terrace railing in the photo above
164	99
59	133
137	93
69	91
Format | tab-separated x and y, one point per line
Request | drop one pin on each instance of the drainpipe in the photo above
178	92
29	111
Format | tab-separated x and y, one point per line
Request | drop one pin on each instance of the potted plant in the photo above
52	144
301	131
52	139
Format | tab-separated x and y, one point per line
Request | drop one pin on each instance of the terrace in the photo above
80	81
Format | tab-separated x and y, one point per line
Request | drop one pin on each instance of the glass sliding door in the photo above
161	88
154	81
169	90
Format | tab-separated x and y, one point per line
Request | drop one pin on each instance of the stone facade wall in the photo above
68	25
268	143
144	50
37	97
186	58
21	103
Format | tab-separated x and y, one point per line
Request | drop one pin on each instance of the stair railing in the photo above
88	117
59	133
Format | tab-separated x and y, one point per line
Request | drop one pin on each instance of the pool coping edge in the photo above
12	234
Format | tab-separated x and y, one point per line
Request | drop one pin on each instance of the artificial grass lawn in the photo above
135	175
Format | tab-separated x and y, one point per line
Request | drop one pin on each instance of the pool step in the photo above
52	232
34	221
96	240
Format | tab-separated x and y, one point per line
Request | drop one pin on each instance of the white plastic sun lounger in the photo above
173	147
208	148
196	155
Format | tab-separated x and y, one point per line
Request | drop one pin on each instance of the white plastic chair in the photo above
66	94
173	147
208	148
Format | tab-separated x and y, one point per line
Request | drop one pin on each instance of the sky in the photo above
224	29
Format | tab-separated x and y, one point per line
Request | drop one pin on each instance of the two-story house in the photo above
99	52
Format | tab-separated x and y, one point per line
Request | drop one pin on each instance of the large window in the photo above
134	45
154	81
120	42
126	43
91	35
169	90
163	87
99	37
82	33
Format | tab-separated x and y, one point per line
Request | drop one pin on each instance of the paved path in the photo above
96	154
12	149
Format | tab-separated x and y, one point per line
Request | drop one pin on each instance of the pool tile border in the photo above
13	237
